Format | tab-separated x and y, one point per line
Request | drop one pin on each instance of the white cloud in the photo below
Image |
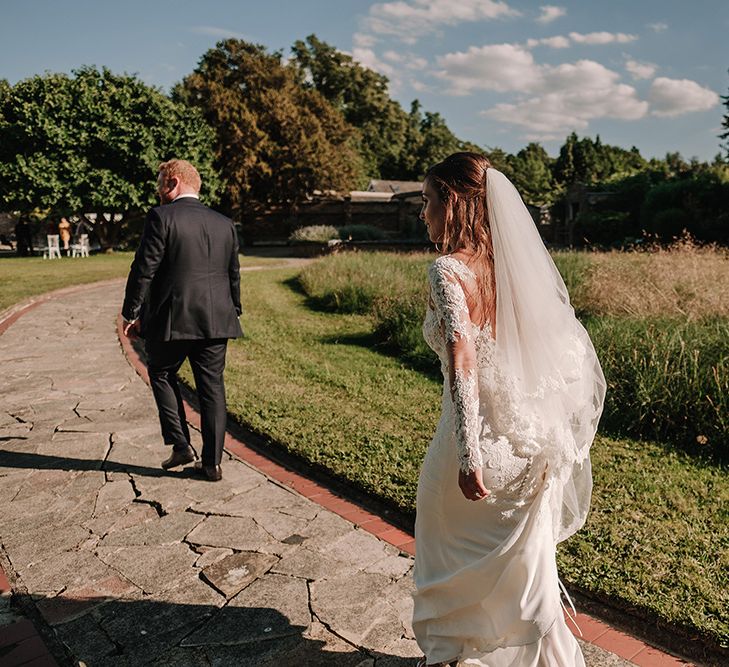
640	70
602	38
420	87
364	41
407	60
220	33
659	26
555	98
500	67
410	19
550	13
675	97
368	58
556	42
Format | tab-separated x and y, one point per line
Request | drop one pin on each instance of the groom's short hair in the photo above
183	170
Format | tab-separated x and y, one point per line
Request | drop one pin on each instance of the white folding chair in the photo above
53	249
81	249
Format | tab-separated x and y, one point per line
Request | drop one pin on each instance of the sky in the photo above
645	73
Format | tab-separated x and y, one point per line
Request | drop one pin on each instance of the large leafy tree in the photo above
725	125
531	172
91	143
362	96
588	160
276	140
428	140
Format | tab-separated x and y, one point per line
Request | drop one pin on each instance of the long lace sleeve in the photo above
451	309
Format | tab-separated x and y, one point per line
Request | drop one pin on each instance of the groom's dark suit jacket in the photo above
184	283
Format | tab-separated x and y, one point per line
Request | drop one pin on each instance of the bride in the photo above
507	475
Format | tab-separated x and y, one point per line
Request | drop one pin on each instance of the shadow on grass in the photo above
317	304
376	342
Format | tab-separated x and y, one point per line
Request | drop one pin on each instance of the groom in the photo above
183	298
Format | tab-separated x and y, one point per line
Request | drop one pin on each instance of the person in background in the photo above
64	231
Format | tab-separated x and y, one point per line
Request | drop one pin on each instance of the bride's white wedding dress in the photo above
521	403
485	573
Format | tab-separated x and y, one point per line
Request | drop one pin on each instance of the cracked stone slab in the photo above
89	448
37	545
240	533
233	573
317	647
149	629
153	568
271	607
280	525
361	548
312	565
130	515
353	605
167	529
72	604
178	490
86	640
210	555
260	500
394	567
113	496
69	569
325	529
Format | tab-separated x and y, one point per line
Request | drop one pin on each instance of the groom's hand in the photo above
471	484
131	329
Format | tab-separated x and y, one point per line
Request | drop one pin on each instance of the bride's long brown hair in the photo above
460	181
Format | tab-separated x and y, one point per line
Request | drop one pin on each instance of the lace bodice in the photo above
465	351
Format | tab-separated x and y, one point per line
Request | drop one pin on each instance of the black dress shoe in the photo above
179	458
210	473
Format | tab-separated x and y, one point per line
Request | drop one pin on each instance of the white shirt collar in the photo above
189	194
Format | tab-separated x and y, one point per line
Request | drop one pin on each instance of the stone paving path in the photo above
132	565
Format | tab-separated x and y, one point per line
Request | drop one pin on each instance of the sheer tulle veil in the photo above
545	356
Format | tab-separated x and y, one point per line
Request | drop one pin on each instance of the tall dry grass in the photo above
683	280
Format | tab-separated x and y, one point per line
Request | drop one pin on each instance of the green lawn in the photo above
24	277
658	534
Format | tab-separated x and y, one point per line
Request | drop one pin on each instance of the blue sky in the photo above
502	72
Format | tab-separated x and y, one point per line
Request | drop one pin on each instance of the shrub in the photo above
668	223
604	228
315	234
361	233
351	282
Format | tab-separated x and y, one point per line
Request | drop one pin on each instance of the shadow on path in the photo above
44	461
102	631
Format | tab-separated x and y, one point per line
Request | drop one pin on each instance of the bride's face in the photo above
433	212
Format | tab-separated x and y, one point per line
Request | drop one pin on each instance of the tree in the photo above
590	161
362	96
276	140
531	173
91	143
725	124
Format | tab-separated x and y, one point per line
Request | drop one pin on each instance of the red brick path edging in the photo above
593	630
20	643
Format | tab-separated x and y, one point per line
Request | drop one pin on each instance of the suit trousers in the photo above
207	359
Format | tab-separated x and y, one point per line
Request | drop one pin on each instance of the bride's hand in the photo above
471	484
